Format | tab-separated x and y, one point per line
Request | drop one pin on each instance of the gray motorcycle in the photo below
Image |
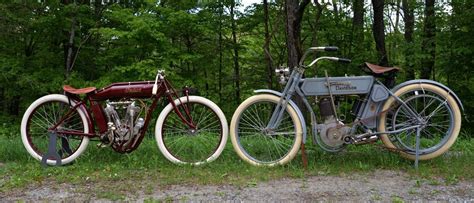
420	119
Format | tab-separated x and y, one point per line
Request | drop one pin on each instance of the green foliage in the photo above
192	41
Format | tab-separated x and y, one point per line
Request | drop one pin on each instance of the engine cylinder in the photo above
325	107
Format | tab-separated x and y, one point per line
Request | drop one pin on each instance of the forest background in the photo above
221	49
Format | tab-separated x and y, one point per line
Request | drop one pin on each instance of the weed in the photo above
412	191
451	180
111	195
376	197
434	182
418	183
397	199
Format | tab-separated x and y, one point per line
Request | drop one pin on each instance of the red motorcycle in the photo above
57	128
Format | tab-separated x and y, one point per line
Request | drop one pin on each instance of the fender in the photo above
292	104
84	109
419	81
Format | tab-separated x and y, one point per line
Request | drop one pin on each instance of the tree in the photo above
236	52
357	35
378	30
409	19
294	14
266	46
428	46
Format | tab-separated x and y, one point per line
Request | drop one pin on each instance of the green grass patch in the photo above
146	169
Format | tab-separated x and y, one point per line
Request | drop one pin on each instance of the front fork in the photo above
287	93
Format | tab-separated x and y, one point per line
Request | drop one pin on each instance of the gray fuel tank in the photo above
339	85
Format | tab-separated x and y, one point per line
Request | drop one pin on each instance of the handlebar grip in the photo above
332	48
344	60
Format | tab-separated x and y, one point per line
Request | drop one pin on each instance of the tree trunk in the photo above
70	47
409	18
379	32
220	51
315	27
335	10
266	46
294	15
429	45
397	17
357	35
236	53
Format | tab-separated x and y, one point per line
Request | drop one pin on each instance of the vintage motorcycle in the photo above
190	129
420	119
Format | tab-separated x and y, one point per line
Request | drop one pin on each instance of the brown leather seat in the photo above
380	69
73	90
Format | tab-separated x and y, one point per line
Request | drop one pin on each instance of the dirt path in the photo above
381	186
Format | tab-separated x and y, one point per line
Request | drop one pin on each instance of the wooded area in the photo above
222	51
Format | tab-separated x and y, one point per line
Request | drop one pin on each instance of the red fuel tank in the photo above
120	90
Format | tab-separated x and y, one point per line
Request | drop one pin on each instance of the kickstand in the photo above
417	149
52	150
303	157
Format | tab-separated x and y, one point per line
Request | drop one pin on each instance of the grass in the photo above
146	169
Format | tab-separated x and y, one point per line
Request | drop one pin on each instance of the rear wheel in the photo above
257	145
43	114
440	120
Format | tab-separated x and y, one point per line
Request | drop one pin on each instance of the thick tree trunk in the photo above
429	44
357	35
294	15
236	53
379	31
409	18
266	46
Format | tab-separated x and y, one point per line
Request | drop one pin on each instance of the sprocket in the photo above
333	132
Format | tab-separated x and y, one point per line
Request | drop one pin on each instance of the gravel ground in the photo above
382	185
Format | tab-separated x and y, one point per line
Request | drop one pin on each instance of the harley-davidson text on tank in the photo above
343	85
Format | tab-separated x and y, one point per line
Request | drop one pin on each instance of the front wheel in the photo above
256	144
183	144
43	114
434	108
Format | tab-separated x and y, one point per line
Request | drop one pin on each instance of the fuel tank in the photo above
120	90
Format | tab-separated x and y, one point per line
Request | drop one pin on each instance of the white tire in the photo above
172	155
29	114
249	152
438	148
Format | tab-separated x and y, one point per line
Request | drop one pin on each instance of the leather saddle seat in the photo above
380	70
73	90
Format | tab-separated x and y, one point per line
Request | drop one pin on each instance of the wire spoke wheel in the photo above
431	107
257	144
182	143
46	113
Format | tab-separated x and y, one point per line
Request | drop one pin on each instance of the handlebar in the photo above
159	76
328	48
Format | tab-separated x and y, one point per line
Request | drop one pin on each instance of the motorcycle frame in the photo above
128	90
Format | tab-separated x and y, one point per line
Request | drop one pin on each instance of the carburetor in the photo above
282	73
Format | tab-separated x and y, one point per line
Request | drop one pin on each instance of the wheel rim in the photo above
437	125
259	144
192	145
47	115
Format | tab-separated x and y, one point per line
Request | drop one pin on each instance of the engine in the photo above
123	123
332	131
